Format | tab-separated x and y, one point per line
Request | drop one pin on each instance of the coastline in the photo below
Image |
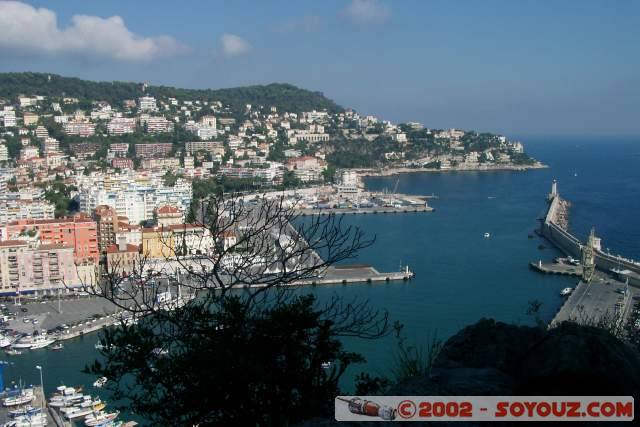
488	168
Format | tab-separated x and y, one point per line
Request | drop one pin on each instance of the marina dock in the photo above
37	402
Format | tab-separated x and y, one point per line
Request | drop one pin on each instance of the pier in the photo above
561	267
555	228
608	283
365	211
37	402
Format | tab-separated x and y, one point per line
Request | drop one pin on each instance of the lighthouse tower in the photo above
554	190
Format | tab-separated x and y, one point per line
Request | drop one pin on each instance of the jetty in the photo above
608	283
365	211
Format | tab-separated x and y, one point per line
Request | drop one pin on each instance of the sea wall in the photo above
571	246
560	237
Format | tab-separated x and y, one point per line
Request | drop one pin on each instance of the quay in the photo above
601	301
365	211
609	285
81	316
561	267
356	274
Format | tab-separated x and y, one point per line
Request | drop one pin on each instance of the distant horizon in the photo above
513	68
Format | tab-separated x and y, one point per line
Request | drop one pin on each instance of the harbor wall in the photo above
560	237
570	245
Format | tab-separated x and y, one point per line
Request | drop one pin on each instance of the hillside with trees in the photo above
284	97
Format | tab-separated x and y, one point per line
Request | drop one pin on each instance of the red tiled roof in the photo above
13	243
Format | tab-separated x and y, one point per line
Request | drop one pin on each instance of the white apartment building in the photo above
82	129
9	119
121	125
42	132
156	124
202	131
50	145
305	135
208	146
4	153
132	195
12	210
147	103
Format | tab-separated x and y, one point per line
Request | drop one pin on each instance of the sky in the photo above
521	68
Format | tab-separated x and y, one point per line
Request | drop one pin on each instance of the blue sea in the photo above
460	276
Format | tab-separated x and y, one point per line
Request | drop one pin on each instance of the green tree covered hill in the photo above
284	96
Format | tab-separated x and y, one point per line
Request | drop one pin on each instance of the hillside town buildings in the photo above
89	185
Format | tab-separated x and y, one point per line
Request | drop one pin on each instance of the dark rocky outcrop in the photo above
495	358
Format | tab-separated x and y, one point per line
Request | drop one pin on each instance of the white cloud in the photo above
233	45
366	11
27	30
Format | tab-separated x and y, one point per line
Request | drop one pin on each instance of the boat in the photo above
41	342
33	342
84	409
63	390
76	412
24	411
100	382
100	418
57	347
37	420
487	235
68	401
13	352
20	398
566	291
4	341
326	365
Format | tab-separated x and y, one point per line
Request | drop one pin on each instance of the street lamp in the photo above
39	368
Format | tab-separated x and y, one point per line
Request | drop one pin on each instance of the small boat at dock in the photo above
100	418
20	397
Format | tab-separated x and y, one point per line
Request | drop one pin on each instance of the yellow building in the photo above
157	242
185	239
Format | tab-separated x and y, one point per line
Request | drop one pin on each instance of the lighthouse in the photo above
554	190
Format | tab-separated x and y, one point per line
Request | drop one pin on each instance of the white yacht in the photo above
79	411
33	342
487	235
100	418
20	398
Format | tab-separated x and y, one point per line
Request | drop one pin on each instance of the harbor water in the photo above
461	276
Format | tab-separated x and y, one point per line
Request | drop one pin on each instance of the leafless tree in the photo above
232	277
237	243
